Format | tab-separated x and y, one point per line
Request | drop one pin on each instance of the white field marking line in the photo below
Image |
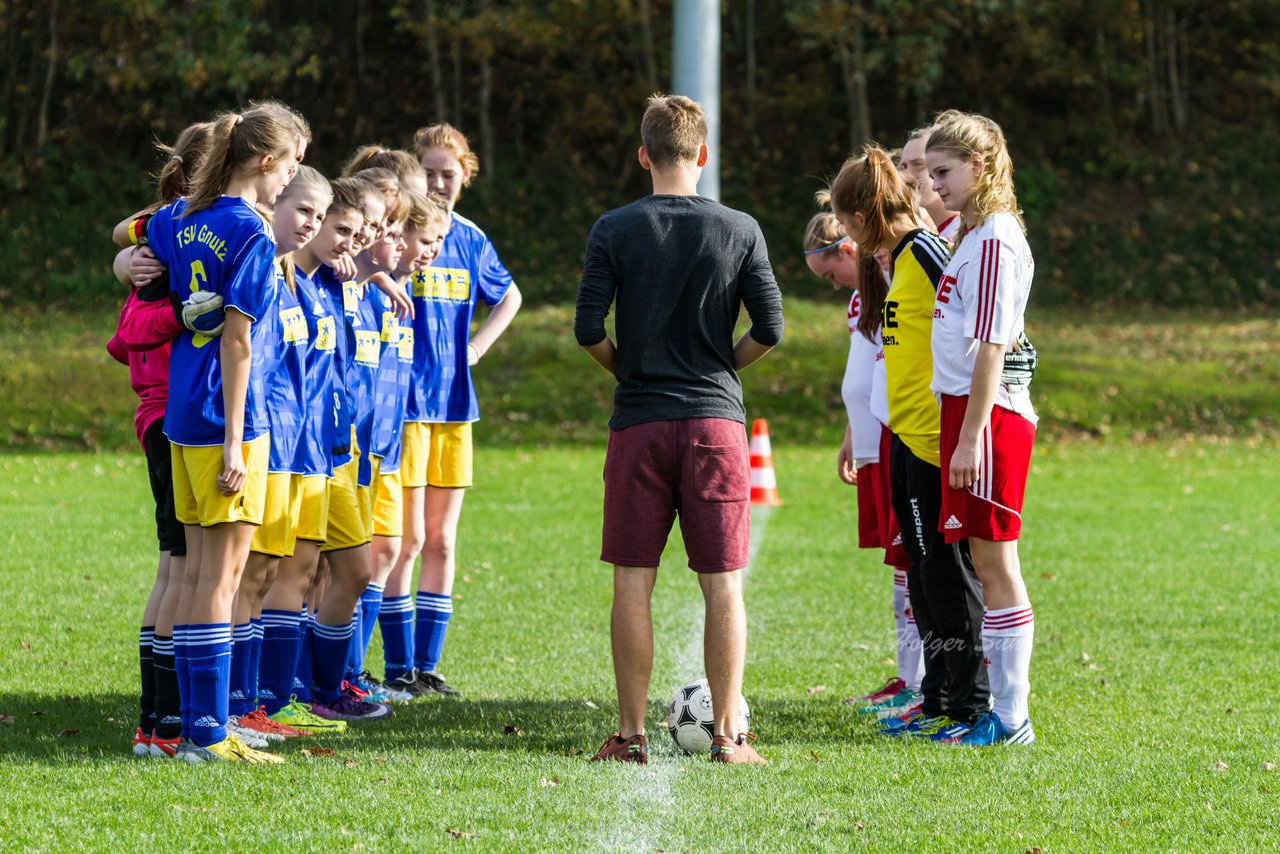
645	796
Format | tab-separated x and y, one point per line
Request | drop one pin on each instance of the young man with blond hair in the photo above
678	267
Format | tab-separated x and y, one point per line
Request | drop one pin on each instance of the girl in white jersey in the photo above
833	256
988	423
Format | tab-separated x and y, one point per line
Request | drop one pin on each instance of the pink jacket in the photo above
142	340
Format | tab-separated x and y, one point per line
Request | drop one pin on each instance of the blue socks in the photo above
302	674
330	646
395	620
240	700
281	644
182	665
208	648
434	610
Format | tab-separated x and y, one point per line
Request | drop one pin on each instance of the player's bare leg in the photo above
631	634
400	579
349	572
999	571
441	509
223	551
293	578
724	645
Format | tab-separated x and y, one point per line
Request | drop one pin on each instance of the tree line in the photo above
1141	129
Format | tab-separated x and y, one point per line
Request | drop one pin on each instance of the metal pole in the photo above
695	72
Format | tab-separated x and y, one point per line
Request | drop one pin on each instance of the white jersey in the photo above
949	229
982	297
856	390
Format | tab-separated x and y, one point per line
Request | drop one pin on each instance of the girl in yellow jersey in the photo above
879	211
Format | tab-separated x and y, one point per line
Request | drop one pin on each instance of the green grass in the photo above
1159	375
1152	569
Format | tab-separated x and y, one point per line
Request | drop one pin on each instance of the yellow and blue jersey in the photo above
319	408
365	328
342	302
906	333
391	384
444	302
285	370
228	249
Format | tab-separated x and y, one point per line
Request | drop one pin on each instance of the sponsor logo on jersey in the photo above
326	334
295	325
368	347
389	326
350	297
443	283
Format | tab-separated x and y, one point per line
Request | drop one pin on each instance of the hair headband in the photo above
831	245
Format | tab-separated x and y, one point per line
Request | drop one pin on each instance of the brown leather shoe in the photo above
619	749
740	752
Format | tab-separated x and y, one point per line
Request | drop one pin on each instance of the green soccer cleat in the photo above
299	716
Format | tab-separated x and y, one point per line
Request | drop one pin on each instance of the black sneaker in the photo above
410	683
436	683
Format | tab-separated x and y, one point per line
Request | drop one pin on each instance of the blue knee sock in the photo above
434	610
209	656
255	662
302	674
395	621
182	665
355	652
330	646
370	605
241	657
280	646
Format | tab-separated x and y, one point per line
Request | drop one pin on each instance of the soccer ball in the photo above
690	720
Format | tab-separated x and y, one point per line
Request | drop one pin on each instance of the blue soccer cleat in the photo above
988	730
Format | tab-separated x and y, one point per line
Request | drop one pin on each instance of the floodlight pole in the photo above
695	73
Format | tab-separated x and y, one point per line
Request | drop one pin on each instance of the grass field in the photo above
1152	569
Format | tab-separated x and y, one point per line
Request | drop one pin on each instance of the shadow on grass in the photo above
52	729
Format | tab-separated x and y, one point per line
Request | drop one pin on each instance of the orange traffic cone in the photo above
764	485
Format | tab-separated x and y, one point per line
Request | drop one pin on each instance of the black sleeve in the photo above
760	294
595	290
931	254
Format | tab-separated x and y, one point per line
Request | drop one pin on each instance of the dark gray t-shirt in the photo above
679	269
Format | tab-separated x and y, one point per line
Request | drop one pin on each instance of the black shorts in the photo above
169	531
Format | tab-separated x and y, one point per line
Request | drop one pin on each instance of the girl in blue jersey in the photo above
424	235
350	520
374	269
297	215
286	639
217	240
436	456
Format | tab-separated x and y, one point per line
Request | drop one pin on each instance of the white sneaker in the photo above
251	738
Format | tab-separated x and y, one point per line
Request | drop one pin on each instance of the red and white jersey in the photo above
982	297
949	229
856	390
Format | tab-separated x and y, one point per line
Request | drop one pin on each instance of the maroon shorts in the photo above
990	509
895	554
870	525
696	469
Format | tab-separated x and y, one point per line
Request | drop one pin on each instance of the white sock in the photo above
1007	636
910	656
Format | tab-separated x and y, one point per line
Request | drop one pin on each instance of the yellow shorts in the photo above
279	529
435	454
350	508
196	497
388	509
313	517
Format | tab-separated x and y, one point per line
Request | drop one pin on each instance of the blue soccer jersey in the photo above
228	249
285	370
444	301
362	369
391	385
319	425
342	300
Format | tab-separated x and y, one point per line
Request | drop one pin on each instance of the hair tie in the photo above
177	157
831	245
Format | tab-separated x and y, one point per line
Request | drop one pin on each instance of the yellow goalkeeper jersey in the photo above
907	331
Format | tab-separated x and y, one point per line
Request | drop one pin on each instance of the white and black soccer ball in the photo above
691	721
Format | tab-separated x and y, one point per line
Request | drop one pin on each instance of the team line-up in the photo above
301	349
